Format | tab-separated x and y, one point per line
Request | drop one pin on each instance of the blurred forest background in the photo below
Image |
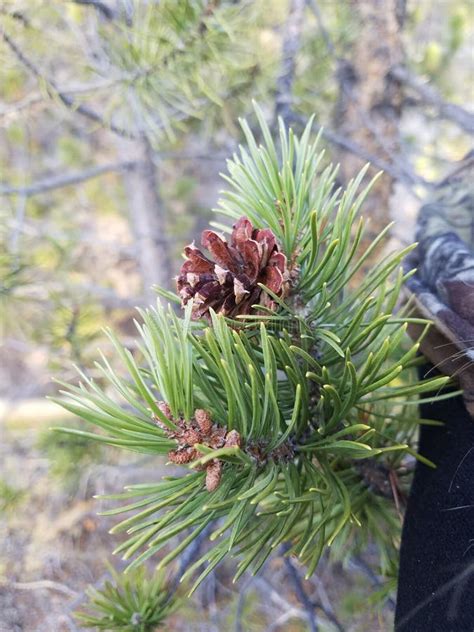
116	118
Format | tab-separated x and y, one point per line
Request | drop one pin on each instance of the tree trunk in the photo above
147	217
369	105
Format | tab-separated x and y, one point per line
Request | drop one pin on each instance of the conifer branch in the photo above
276	381
64	97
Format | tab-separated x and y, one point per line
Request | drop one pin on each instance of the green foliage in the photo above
321	393
183	61
132	603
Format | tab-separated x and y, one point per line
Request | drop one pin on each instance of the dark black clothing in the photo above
436	578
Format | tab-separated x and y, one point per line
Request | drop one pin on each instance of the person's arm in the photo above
436	577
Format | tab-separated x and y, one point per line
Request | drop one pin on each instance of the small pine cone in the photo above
191	436
233	439
203	420
229	283
182	456
217	438
165	409
213	475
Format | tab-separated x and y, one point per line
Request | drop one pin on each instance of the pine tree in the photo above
285	390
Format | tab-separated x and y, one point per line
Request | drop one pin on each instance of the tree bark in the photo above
370	101
147	216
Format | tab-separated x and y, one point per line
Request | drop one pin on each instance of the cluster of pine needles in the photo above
316	386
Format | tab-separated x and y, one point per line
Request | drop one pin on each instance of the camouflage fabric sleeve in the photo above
442	289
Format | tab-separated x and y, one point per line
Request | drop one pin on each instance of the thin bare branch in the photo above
109	299
59	182
430	96
44	584
278	598
12	109
349	145
189	556
16	15
310	605
301	594
241	605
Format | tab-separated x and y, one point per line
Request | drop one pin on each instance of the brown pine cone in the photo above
213	475
181	456
229	284
232	439
203	420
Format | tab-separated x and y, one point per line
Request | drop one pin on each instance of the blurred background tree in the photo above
115	120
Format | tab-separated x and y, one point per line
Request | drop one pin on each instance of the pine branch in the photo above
252	403
133	601
60	181
430	96
65	98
